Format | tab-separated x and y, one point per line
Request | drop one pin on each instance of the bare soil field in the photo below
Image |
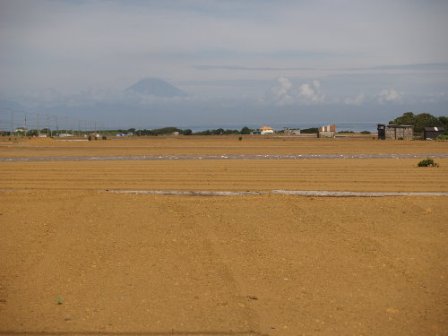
76	259
197	145
243	175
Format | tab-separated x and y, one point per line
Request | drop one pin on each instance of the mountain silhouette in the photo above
156	87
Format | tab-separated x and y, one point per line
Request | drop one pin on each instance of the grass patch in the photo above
428	163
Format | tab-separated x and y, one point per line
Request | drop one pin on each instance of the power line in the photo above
12	120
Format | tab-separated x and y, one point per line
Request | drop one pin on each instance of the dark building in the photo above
395	132
381	128
432	132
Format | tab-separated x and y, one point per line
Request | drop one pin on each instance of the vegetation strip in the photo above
223	157
313	193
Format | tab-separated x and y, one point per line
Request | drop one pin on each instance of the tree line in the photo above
420	121
174	130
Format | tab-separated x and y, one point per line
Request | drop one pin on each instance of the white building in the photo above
266	130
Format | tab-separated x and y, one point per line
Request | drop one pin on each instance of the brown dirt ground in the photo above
124	264
318	174
213	145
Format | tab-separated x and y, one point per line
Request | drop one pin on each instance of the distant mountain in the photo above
156	87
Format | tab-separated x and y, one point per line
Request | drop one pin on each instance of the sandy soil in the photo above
197	145
78	260
272	265
342	175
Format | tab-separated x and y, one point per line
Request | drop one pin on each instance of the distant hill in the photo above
156	87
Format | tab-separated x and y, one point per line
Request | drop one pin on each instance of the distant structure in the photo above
21	130
264	130
395	132
64	135
430	133
328	131
291	131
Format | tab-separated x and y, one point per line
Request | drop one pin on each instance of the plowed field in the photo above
79	260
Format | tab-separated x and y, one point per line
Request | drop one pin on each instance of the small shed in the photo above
395	132
432	132
328	131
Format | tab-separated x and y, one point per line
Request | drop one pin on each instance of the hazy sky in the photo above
266	59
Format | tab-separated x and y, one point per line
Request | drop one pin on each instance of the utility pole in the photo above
49	125
37	125
12	123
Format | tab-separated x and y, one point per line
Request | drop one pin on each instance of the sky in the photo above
281	62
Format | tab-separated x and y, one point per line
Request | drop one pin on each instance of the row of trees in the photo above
420	121
173	130
217	131
161	131
134	131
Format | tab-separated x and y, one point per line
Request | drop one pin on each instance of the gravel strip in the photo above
324	193
309	193
223	157
187	193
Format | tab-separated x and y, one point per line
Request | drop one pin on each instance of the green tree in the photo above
408	118
165	131
423	120
32	132
245	130
310	130
419	121
444	121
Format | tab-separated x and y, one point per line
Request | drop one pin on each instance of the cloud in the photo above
417	67
385	96
67	44
310	93
249	68
389	96
357	100
284	87
282	93
285	93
